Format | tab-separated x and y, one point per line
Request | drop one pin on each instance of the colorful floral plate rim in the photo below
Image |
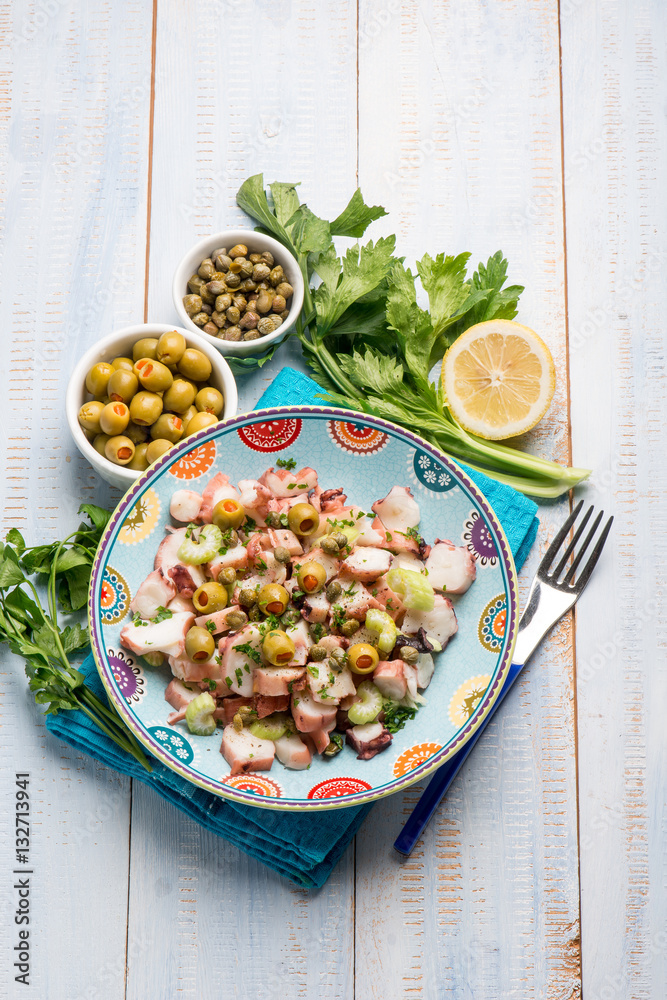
359	791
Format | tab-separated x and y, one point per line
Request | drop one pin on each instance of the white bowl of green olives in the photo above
142	389
241	290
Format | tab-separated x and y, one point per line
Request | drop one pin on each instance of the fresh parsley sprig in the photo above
34	632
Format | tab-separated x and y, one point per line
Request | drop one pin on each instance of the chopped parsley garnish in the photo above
302	486
337	616
395	716
211	627
211	684
138	620
239	676
162	615
261	567
228	681
313	670
250	652
286	463
296	594
350	590
316	631
291	486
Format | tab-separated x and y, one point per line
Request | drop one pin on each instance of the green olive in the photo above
199	643
122	386
278	648
139	461
167	426
194	365
363	658
114	418
157	448
210	597
145	348
227	575
312	576
145	408
273	599
199	422
171	348
186	417
209	399
119	449
136	433
153	375
98	378
180	396
127	364
89	415
99	443
303	519
228	513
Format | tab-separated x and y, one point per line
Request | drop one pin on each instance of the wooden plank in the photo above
214	920
616	153
459	124
73	121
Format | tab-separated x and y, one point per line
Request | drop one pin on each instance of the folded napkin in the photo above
298	846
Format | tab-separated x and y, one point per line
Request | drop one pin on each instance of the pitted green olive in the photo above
119	450
180	396
145	408
157	448
228	513
312	577
210	597
167	426
114	418
89	415
273	599
195	365
209	399
303	519
98	377
153	375
139	461
122	385
199	644
145	348
171	348
278	648
363	658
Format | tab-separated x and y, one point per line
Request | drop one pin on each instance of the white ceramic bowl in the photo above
120	344
256	242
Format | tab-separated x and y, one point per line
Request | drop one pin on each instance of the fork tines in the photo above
568	582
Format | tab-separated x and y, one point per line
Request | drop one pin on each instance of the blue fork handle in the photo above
440	783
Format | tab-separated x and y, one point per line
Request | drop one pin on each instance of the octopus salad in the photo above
294	619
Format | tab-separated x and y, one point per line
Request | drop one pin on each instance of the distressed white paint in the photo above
616	150
459	136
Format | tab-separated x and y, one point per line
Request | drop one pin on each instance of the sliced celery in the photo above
199	715
382	622
370	706
201	546
413	589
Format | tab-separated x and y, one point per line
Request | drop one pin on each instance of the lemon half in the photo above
499	379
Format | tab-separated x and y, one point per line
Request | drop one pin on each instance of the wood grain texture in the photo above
219	921
459	124
614	67
73	239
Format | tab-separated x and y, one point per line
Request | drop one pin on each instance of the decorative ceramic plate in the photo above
366	456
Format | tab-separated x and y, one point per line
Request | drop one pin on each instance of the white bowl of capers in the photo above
140	390
241	290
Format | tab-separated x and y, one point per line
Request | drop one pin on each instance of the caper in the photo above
171	347
89	415
249	320
232	333
216	287
284	314
222	261
334	590
195	283
169	427
206	308
363	658
145	408
278	304
233	280
98	377
206	269
409	654
119	450
269	324
312	576
114	418
227	576
329	545
268	257
282	555
208	298
180	396
290	617
264	301
210	597
199	643
277	647
337	657
261	272
273	519
254	614
277	275
303	519
318	653
236	619
136	433
334	747
210	328
122	385
192	304
209	399
200	319
273	599
99	442
121	362
139	461
153	375
239	250
285	289
219	319
145	348
199	422
350	626
227	513
251	335
194	365
247	597
156	449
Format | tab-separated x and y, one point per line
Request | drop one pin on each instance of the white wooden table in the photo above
528	125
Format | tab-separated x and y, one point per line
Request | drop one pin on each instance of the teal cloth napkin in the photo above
298	846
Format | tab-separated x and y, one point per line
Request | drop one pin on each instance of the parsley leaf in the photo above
286	463
396	716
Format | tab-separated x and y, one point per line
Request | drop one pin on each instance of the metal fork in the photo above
552	594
